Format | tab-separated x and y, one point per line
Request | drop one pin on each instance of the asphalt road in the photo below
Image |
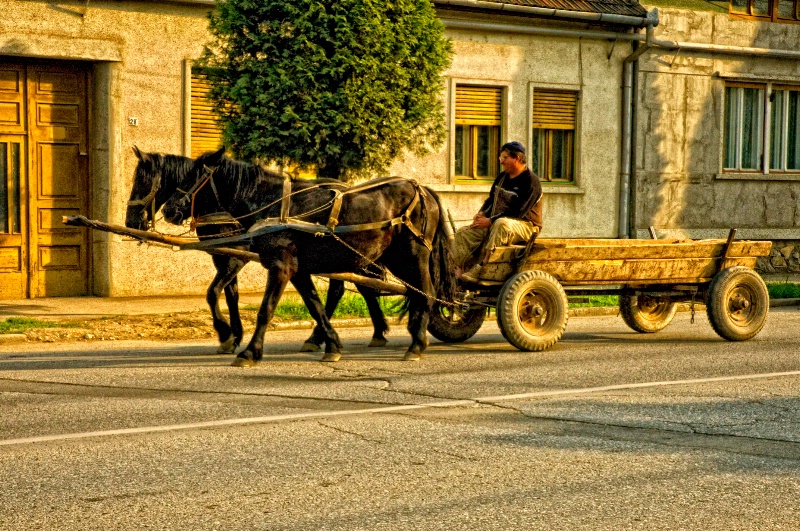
607	430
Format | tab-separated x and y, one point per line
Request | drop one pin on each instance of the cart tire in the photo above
454	325
737	304
646	314
532	310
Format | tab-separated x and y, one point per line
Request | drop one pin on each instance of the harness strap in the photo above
286	200
333	219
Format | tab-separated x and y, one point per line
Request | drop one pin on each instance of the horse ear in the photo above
212	159
141	156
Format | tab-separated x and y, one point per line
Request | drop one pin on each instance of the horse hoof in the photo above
377	342
308	346
412	356
331	356
228	347
243	362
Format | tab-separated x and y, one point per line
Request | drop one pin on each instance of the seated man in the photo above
512	214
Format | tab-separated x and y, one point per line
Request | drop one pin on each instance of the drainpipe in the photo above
628	105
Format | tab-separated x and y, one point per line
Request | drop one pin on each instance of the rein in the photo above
150	198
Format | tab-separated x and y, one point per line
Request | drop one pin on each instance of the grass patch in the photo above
783	290
352	306
592	301
20	325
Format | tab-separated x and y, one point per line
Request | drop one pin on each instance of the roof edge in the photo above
650	19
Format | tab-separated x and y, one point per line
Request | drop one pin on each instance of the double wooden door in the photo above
44	175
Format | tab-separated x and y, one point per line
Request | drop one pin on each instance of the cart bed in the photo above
575	262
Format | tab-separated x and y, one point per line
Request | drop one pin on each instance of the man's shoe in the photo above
472	274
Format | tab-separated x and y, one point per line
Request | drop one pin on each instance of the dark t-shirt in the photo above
524	202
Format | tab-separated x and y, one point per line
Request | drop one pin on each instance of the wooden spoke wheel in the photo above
532	310
646	314
737	303
455	324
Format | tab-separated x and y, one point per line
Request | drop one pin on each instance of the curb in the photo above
12	338
366	322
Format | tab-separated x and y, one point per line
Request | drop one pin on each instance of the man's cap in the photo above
515	146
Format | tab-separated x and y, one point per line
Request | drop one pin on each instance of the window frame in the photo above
497	133
772	12
574	141
769	92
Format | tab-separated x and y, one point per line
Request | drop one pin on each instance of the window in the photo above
206	129
554	120
774	10
748	133
784	139
477	139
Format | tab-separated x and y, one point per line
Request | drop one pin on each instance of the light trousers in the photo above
504	231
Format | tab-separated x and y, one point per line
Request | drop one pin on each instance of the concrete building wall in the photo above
681	188
586	208
139	52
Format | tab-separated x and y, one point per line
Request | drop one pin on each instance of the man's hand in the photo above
480	221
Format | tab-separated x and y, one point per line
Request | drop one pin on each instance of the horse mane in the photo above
249	182
170	166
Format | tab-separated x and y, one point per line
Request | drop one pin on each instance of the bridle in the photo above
149	199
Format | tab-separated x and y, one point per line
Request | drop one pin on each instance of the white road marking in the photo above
386	409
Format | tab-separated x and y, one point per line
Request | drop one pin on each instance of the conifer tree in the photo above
341	86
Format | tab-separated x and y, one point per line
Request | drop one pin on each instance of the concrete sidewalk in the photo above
89	307
93	307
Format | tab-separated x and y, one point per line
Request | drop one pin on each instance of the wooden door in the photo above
13	185
59	183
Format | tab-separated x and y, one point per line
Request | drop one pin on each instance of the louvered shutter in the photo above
206	128
553	109
478	105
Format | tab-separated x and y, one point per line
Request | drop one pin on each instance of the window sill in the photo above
485	186
742	176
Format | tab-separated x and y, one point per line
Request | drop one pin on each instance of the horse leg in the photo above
307	290
278	276
379	324
227	269
318	336
419	306
232	299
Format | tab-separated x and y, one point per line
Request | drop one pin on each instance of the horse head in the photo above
178	207
155	179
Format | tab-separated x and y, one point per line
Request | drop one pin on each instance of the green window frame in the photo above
553	126
478	130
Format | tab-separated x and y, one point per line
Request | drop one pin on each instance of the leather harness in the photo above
285	222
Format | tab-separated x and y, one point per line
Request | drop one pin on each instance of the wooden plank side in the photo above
582	250
643	270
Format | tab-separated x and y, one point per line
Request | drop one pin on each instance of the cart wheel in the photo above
738	302
455	324
532	310
646	314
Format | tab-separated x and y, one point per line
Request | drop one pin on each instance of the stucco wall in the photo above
138	51
519	62
680	188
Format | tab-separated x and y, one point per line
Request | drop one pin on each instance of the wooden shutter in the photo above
478	105
206	128
554	109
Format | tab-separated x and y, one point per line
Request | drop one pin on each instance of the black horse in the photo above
388	222
157	176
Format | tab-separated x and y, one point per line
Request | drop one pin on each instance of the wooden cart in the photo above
529	287
529	284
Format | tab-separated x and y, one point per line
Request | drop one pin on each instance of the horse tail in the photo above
442	266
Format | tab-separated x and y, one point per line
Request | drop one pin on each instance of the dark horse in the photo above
391	222
156	177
